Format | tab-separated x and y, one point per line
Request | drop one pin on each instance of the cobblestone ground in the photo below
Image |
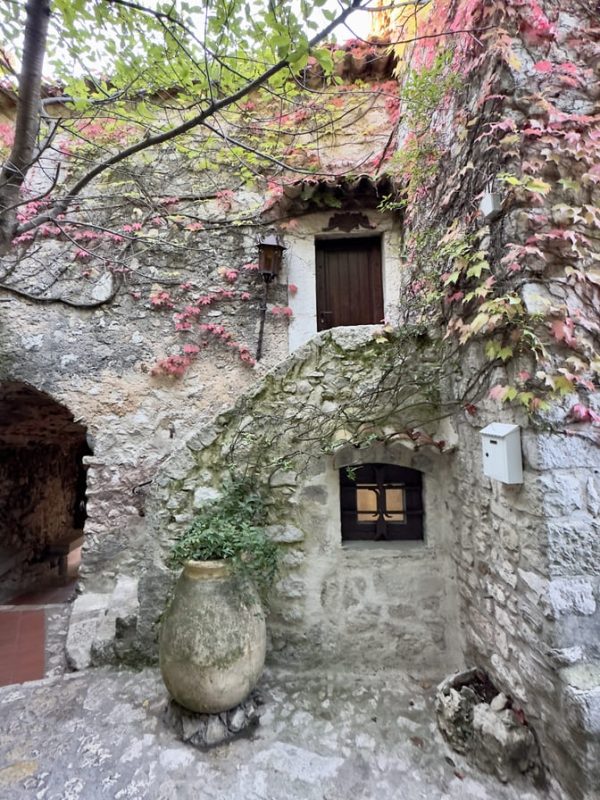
99	734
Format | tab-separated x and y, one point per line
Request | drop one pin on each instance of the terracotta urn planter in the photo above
212	640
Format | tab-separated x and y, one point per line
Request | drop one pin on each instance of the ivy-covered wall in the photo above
101	364
502	239
141	311
497	134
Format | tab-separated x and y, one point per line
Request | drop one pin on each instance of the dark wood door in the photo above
349	284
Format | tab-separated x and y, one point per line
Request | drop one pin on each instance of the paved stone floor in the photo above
99	734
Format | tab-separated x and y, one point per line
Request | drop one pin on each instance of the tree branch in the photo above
178	130
61	300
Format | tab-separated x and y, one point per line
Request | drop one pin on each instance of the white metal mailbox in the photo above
502	458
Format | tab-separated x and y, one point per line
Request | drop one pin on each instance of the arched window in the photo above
381	502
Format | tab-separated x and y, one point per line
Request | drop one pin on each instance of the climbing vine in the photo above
387	388
524	282
464	101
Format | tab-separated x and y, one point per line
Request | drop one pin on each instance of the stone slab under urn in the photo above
205	731
481	722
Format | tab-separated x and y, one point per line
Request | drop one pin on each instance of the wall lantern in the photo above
270	257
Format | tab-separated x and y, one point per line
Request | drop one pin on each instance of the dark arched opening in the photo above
42	494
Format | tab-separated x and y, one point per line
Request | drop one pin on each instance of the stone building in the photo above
102	400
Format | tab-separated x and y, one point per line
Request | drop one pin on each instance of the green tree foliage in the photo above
127	59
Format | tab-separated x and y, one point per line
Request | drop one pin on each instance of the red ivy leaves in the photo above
564	331
282	311
582	413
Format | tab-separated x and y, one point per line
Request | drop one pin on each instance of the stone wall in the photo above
522	621
511	570
390	604
527	556
98	362
487	571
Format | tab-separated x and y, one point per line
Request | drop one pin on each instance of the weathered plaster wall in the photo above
389	604
99	362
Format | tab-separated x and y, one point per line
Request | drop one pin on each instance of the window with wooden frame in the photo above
381	502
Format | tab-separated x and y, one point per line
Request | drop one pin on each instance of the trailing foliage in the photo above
388	389
523	284
494	95
210	103
232	528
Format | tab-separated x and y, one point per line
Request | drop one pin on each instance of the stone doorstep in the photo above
93	621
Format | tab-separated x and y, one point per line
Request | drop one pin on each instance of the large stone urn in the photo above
213	639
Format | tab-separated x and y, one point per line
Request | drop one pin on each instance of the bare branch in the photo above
60	300
261	154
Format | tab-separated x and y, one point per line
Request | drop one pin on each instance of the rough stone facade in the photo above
378	603
507	578
488	551
527	556
529	613
98	363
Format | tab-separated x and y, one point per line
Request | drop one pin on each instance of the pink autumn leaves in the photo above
177	365
189	319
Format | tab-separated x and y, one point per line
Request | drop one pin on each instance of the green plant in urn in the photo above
213	635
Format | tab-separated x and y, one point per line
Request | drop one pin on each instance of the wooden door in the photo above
349	284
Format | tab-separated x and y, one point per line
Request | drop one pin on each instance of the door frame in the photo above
300	268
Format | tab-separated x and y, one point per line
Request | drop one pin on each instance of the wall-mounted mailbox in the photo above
491	205
502	458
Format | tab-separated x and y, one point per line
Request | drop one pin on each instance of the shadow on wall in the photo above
42	491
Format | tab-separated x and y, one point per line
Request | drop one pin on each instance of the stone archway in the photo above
42	513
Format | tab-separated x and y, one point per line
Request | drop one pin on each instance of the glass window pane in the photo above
394	503
366	503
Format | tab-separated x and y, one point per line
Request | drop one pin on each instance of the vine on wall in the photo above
331	118
525	284
493	96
